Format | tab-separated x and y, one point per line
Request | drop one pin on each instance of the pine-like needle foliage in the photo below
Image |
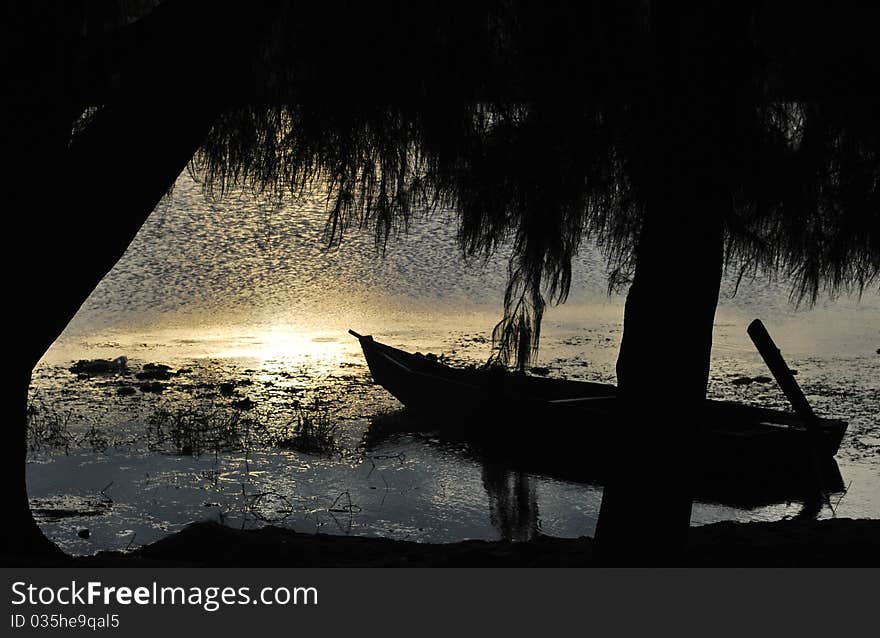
534	123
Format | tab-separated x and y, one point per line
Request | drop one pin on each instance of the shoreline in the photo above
790	543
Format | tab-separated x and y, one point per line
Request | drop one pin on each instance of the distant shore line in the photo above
790	543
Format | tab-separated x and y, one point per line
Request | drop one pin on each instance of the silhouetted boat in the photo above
567	427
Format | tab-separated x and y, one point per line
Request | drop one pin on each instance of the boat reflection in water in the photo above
509	465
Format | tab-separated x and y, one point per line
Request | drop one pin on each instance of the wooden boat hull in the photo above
567	428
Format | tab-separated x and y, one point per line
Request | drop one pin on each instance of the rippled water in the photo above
245	292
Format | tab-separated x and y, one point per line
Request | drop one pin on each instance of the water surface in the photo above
245	292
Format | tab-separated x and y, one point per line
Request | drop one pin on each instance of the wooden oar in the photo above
773	358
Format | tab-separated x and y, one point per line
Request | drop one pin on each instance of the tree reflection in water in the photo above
513	504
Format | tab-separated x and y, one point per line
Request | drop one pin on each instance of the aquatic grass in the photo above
196	430
47	428
193	430
95	438
310	430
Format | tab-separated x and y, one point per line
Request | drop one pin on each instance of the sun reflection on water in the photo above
282	348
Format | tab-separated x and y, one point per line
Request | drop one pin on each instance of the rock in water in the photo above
244	404
155	372
91	367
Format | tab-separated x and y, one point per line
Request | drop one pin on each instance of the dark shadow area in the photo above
831	543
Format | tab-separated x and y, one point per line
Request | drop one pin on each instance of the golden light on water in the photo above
284	347
272	349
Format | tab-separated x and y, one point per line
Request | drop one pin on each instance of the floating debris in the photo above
747	380
57	508
155	372
245	404
85	368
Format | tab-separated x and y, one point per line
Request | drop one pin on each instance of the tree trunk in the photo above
663	364
685	156
662	372
76	225
113	180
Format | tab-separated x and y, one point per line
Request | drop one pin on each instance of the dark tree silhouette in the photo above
681	137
